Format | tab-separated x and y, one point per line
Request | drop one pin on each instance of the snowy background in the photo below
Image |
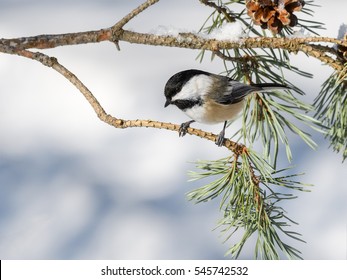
72	187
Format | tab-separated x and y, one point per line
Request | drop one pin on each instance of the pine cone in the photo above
273	15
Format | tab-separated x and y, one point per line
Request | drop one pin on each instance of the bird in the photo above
210	98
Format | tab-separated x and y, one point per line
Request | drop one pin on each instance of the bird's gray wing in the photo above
235	92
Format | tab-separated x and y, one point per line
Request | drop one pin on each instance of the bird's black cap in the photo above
177	81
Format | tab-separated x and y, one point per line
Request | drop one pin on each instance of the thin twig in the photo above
133	14
220	9
243	59
117	29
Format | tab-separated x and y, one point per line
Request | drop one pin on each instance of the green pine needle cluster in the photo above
271	116
250	188
251	193
331	107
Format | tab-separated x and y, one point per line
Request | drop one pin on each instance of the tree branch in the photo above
184	40
58	40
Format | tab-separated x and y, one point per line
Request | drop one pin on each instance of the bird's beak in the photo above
167	103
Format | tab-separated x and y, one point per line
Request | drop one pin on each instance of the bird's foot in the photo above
183	128
220	139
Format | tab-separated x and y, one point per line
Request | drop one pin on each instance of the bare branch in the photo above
133	14
58	40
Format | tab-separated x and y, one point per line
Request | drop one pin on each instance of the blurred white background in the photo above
72	187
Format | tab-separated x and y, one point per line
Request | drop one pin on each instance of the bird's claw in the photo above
220	139
184	128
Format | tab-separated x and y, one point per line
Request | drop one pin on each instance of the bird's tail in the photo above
269	86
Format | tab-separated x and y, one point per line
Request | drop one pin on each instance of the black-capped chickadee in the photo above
209	98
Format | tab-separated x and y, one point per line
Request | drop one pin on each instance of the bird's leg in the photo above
220	139
184	127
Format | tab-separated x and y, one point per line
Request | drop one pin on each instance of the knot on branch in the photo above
45	60
117	33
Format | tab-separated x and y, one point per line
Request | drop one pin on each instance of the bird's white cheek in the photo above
196	87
